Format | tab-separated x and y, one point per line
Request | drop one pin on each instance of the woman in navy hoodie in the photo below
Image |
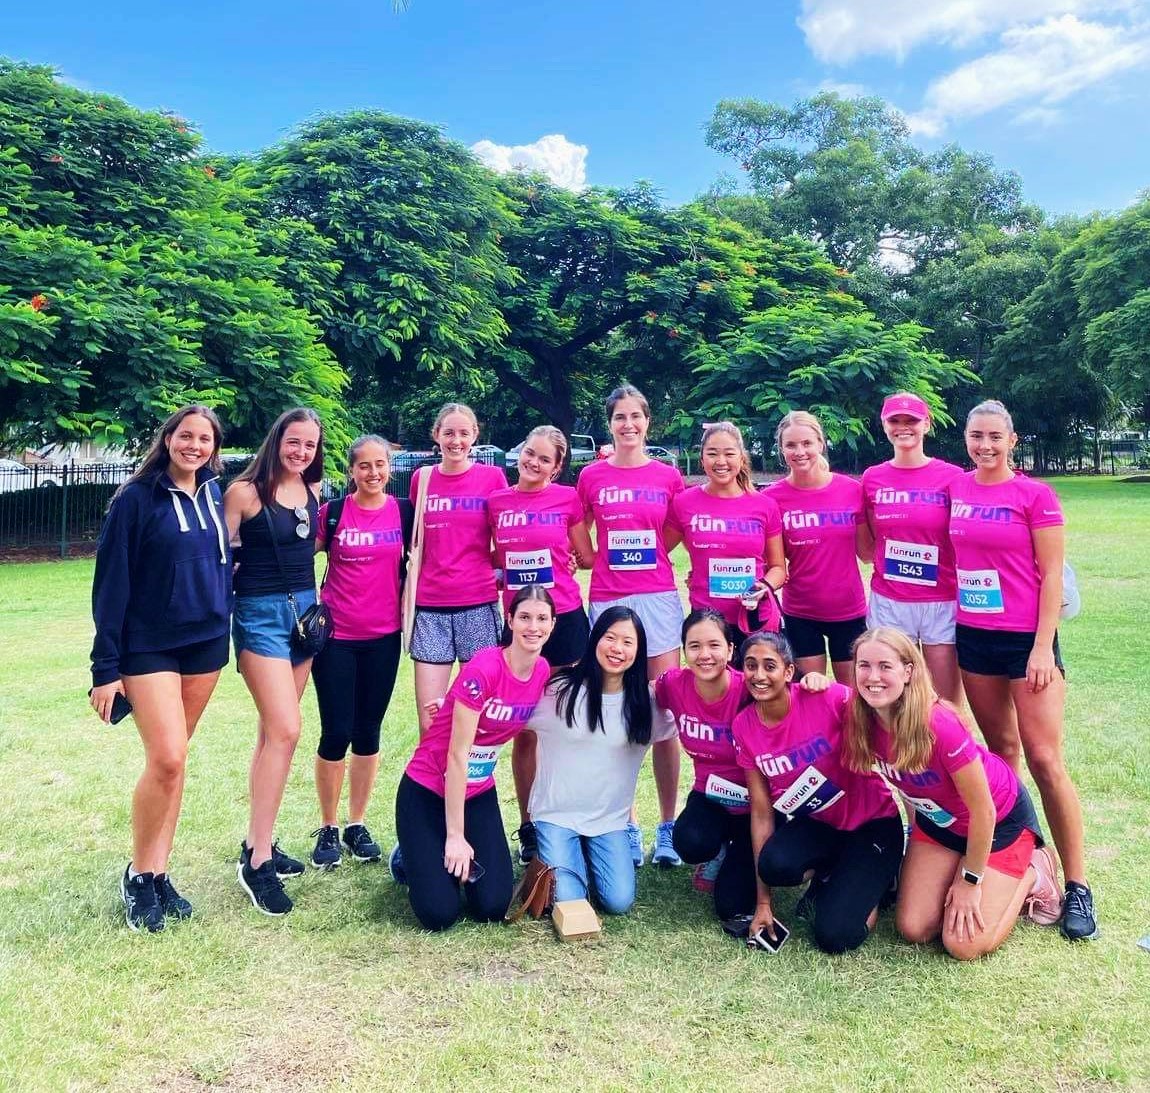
160	600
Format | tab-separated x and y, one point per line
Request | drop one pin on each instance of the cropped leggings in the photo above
353	685
853	871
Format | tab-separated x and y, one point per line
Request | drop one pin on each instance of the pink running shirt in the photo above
823	580
457	569
532	541
362	587
908	510
629	507
505	704
726	539
932	792
991	529
705	733
801	759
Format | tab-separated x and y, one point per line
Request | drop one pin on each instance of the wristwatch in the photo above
971	877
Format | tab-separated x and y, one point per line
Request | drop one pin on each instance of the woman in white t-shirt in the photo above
594	725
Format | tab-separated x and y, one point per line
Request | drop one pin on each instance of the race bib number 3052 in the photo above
980	591
630	550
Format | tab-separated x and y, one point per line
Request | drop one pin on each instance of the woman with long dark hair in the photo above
160	600
273	509
593	727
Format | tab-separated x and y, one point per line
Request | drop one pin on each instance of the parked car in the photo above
654	451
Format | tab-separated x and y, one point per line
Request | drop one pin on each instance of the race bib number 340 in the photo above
980	591
630	550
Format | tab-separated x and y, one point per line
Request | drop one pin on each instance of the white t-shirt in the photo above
586	780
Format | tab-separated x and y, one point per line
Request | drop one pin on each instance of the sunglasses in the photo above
303	528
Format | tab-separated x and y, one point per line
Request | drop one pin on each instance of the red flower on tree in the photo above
210	171
56	159
39	302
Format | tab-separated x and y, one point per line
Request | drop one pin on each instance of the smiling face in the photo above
298	446
880	676
629	424
905	431
801	447
538	463
531	624
455	436
722	459
766	673
371	469
616	651
191	445
989	442
707	650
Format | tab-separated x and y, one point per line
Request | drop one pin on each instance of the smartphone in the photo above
121	707
762	940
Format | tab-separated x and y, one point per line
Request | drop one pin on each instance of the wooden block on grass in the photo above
575	919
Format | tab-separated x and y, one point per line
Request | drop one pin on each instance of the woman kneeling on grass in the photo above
975	857
447	810
160	600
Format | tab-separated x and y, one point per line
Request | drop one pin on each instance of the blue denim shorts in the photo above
263	624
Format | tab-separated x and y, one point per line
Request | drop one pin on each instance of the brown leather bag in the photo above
534	895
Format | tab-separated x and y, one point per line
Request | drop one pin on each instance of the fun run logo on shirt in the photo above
526	519
773	765
738	525
612	495
893	774
886	495
353	537
961	510
456	504
695	729
495	709
797	519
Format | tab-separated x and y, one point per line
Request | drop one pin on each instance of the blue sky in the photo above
1053	90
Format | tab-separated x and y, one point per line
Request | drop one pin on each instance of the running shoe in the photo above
1079	922
286	866
1044	904
142	910
395	865
171	902
327	853
706	873
263	886
360	844
664	853
528	841
635	841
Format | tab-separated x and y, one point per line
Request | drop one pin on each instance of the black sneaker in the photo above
141	908
528	842
263	886
326	854
359	842
286	866
1078	919
171	902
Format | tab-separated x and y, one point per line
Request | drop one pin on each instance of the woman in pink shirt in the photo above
628	497
1007	533
447	808
812	818
703	699
733	536
975	856
456	600
366	535
540	531
907	513
822	513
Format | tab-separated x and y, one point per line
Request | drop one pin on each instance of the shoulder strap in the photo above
331	523
276	549
407	529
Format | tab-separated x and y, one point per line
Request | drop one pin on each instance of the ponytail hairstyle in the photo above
156	460
263	471
729	428
555	437
911	737
586	676
996	409
357	446
626	390
454	408
800	418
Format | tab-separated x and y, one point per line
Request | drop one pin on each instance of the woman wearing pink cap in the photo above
907	512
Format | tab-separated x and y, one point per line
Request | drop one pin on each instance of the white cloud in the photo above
554	155
841	30
1034	68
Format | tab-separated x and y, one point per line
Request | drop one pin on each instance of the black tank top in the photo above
258	574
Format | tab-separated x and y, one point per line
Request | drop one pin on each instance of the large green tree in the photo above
128	285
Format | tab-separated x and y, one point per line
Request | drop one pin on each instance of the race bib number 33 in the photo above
810	793
630	550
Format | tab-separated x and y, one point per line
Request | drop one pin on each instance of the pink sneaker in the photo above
703	879
1044	904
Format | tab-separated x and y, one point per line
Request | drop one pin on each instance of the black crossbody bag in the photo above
310	630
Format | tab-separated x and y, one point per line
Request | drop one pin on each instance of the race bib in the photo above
726	793
730	578
481	764
524	567
910	563
810	794
929	809
630	550
980	591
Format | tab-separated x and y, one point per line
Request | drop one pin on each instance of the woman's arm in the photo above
239	501
580	539
111	591
1049	554
963	910
457	851
776	572
864	542
762	828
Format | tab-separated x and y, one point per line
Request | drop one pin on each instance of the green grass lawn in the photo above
347	994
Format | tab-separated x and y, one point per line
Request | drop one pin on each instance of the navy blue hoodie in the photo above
163	572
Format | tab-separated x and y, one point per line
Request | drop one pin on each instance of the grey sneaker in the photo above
635	841
664	854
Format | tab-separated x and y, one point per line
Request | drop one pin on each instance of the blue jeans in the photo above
608	856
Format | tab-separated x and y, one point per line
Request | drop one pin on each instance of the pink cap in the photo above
904	403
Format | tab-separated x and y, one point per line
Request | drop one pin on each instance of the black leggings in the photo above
853	871
421	826
353	685
703	828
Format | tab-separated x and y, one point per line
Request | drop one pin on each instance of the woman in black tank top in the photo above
274	503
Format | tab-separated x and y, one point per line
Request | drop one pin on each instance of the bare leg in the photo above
665	755
942	661
328	787
927	871
811	664
844	671
362	771
1002	898
431	683
991	704
523	770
